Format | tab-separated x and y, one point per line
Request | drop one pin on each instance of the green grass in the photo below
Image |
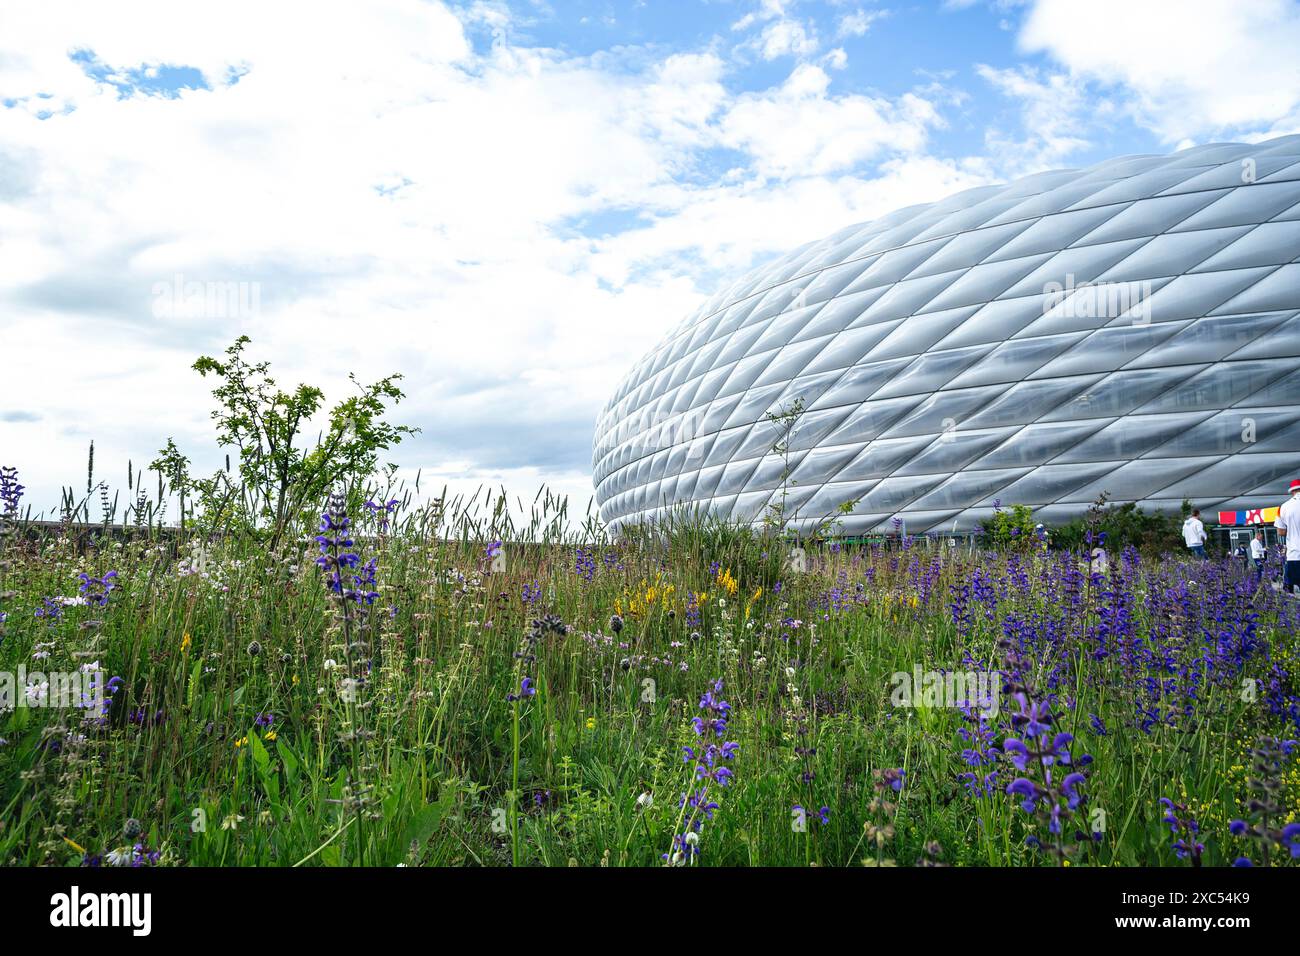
445	771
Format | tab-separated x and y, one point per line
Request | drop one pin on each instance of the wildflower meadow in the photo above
369	676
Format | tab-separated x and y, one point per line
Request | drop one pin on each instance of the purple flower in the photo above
1035	718
97	590
1069	787
893	778
10	490
709	761
1291	839
1027	789
336	557
381	511
526	689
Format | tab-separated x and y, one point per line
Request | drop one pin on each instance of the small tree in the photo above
175	470
785	419
281	473
1010	530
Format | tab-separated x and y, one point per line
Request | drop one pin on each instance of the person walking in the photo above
1194	535
1288	521
1258	554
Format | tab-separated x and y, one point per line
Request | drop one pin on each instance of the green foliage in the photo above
777	518
1011	529
1125	525
211	785
279	473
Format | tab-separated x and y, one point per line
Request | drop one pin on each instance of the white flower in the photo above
119	857
232	822
789	672
692	838
331	664
645	800
37	692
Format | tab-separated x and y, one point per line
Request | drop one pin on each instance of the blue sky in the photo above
510	202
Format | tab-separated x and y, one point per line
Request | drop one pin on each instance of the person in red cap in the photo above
1288	517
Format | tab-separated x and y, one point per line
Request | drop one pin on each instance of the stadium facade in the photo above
1131	328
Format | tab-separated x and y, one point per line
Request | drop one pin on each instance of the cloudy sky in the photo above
510	202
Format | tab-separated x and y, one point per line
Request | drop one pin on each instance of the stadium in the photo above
1129	329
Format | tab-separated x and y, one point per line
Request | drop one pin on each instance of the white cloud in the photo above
787	38
800	129
1195	69
781	34
1056	113
857	24
404	202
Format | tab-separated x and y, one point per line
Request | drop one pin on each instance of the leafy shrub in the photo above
1011	530
1151	532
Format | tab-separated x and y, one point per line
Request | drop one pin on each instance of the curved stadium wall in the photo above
1131	328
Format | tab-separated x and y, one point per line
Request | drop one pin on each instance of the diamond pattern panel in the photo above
1132	328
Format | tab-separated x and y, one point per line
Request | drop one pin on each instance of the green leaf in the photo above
426	822
260	757
289	759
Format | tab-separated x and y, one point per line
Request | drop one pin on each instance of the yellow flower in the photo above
591	723
728	581
241	742
185	641
270	735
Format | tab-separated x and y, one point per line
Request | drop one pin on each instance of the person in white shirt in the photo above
1258	553
1288	520
1194	535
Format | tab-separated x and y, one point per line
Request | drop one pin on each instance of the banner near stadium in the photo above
1257	516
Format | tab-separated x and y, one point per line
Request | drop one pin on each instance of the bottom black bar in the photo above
335	906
